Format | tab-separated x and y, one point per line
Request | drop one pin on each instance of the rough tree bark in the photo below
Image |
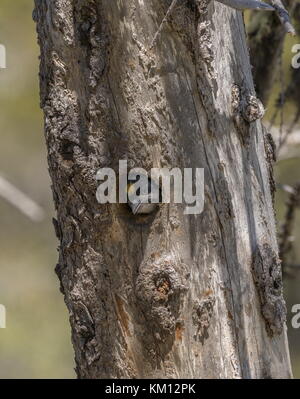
163	295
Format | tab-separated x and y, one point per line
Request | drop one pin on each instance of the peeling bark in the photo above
162	295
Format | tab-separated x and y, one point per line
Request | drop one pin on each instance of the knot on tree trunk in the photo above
160	289
246	104
202	314
267	275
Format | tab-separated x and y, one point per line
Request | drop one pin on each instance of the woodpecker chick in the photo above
143	203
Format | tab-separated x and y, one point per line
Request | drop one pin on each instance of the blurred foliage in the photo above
37	342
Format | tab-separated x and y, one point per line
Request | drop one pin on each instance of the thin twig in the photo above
290	129
21	201
163	22
284	17
282	98
285	241
242	5
276	5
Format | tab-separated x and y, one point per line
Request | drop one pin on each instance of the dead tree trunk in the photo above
164	295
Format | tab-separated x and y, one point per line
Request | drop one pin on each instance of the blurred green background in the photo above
37	342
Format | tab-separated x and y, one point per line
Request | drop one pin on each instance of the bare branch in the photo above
21	201
242	5
173	4
276	6
285	236
283	16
